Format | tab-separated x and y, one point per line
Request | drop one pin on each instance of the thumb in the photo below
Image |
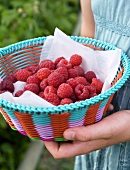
100	130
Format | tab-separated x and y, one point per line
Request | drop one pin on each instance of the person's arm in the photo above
87	19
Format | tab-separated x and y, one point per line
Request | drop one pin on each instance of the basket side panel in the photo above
16	122
59	123
100	110
108	103
7	118
26	122
91	114
43	126
77	117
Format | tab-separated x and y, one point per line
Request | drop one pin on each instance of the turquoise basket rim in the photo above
77	105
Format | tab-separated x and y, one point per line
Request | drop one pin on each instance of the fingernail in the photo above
70	135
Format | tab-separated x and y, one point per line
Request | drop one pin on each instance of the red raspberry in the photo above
49	89
72	73
11	78
73	97
63	71
2	91
69	66
72	82
91	89
97	84
41	94
19	93
22	74
89	75
55	79
64	63
1	86
58	59
75	60
81	80
32	87
53	99
64	90
33	68
15	75
7	85
33	79
43	73
66	101
81	92
43	84
80	71
47	64
92	95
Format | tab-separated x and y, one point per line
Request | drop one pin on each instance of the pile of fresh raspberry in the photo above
59	82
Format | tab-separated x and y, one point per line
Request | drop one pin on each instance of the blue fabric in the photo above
112	18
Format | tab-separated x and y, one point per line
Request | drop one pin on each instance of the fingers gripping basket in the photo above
49	123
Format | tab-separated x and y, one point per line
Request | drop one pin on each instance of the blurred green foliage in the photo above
12	146
20	20
23	19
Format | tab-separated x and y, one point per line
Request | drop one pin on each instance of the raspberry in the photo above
72	82
11	78
41	94
75	60
33	68
7	85
33	79
97	84
43	73
49	89
2	91
55	79
19	93
43	84
47	64
1	86
22	74
66	101
64	90
53	99
92	95
72	73
63	71
73	97
64	63
91	89
89	75
15	75
78	89
32	87
81	80
69	66
81	92
80	71
58	59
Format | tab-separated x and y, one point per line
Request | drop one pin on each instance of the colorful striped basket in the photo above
48	124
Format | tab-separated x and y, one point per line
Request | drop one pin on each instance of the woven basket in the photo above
48	124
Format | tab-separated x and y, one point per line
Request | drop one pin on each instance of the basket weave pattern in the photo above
49	124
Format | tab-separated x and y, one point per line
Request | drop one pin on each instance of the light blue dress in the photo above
112	18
